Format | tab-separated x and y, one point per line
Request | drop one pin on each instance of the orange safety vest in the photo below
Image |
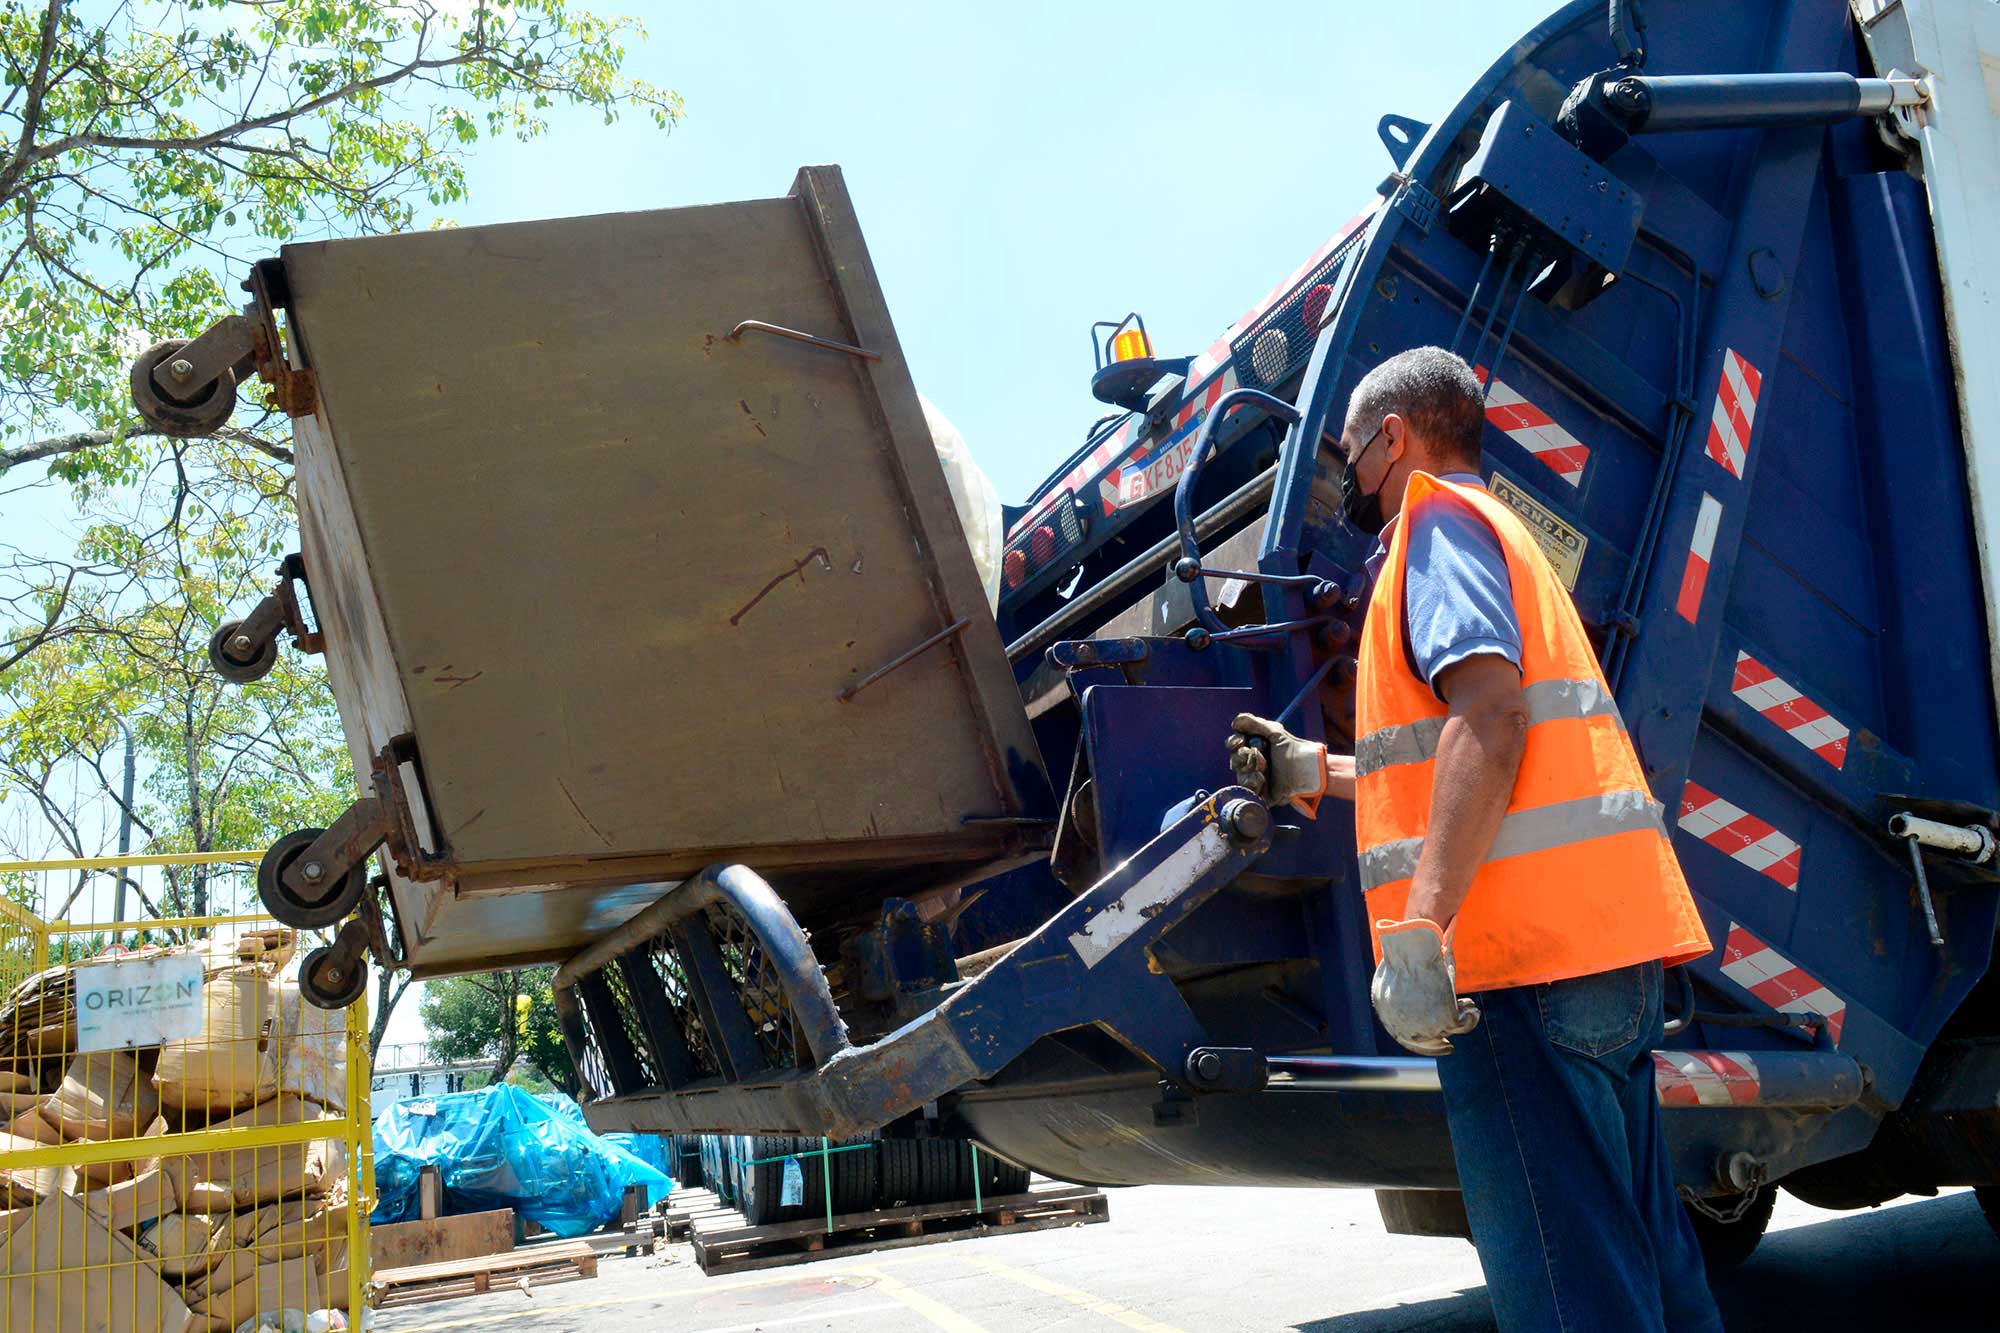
1581	877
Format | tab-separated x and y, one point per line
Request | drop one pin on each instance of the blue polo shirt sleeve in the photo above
1458	598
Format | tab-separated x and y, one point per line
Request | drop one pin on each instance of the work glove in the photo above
1415	992
1283	769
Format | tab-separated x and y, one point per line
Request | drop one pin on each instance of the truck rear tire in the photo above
1725	1245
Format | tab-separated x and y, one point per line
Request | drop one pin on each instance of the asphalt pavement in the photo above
1183	1260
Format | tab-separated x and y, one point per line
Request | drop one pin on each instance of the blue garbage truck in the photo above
920	864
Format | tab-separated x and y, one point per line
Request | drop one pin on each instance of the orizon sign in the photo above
129	1002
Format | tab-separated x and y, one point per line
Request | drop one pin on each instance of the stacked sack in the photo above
197	1243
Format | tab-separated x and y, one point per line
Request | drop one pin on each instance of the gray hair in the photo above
1432	389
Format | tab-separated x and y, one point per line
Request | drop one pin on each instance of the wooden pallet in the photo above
724	1242
677	1214
536	1265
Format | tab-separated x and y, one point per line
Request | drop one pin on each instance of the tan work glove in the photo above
1415	992
1285	769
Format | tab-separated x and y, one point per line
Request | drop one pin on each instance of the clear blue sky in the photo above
1023	170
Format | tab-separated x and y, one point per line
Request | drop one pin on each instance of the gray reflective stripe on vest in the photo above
1546	700
1537	830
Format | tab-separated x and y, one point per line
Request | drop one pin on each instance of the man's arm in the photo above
1340	776
1478	756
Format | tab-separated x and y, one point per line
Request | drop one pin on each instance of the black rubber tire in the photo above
327	981
184	419
739	1171
940	1183
764	1179
898	1185
867	1175
722	1174
1725	1245
961	1169
226	664
687	1161
295	912
1000	1178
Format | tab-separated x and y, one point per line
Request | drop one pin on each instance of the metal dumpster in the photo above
630	552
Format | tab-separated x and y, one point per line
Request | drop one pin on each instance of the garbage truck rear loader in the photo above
646	606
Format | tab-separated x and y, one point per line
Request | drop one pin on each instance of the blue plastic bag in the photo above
500	1147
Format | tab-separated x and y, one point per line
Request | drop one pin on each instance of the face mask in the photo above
1363	511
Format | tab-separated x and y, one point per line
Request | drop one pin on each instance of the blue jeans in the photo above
1557	1133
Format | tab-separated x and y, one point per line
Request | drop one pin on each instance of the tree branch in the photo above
55	446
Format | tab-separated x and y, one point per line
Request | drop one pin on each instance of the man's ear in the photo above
1395	437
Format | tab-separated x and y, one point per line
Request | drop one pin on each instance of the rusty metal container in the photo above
620	558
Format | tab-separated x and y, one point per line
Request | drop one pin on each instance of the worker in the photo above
1510	852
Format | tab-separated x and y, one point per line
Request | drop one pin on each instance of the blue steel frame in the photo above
1848	266
1850	572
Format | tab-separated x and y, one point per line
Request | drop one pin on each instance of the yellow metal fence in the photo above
186	1140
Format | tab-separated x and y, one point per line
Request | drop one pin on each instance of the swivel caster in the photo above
202	410
318	894
334	975
245	650
237	657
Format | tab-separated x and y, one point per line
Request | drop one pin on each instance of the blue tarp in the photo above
500	1147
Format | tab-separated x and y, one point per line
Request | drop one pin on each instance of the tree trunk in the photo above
191	746
508	986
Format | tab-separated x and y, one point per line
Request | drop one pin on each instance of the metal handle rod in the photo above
1231	507
1188	574
1924	890
1184	489
800	336
1970	841
903	658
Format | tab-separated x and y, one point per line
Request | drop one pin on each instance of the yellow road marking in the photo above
930	1308
821	1317
543	1312
1111	1310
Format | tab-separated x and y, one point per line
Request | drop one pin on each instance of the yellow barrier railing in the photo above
218	1174
130	862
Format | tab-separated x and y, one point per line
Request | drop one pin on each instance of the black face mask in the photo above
1363	511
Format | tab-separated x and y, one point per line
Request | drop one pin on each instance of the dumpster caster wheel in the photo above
333	977
339	897
235	658
203	411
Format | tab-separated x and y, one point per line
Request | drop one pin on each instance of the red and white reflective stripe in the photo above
1218	354
1700	551
1735	410
1298	274
1771	977
1705	1078
1739	834
1534	430
1129	485
1782	703
1103	456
